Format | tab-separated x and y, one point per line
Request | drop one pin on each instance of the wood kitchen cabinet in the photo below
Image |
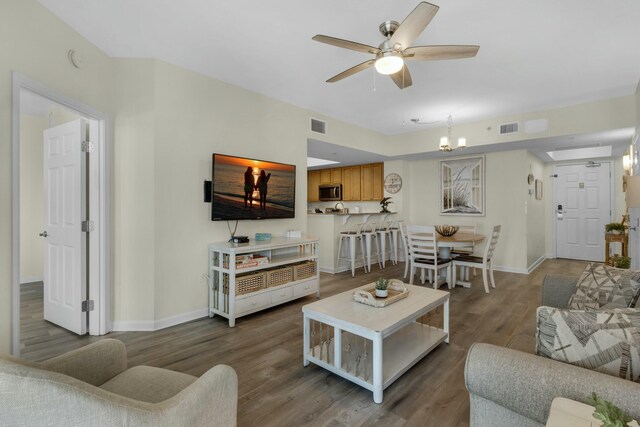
351	183
372	181
363	182
313	182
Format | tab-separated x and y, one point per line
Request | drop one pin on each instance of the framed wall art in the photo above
462	186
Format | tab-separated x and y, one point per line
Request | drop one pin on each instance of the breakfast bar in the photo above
328	227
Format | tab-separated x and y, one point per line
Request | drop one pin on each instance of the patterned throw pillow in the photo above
602	286
607	341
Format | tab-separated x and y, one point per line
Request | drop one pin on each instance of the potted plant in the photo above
381	287
619	261
384	203
615	228
609	414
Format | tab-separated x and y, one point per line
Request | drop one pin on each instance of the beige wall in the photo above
31	244
506	175
35	43
536	214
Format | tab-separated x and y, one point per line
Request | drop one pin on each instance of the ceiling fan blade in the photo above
433	53
402	78
414	24
351	71
345	44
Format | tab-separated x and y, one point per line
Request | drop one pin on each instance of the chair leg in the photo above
339	253
454	277
413	272
493	282
406	266
422	275
352	256
380	262
450	276
383	243
364	261
484	280
430	276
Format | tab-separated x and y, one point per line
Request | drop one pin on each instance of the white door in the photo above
65	265
583	207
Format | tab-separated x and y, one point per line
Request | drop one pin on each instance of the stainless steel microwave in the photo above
330	192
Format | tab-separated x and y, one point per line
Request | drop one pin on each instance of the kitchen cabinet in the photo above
351	183
325	176
313	182
372	181
336	175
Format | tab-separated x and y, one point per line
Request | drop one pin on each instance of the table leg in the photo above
306	340
337	348
377	368
445	322
606	252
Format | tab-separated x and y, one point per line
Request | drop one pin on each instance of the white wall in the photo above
506	174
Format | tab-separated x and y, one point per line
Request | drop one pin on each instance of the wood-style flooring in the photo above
265	349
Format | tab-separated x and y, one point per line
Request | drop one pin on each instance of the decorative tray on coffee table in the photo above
396	291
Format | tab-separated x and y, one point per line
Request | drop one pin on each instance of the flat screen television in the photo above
251	189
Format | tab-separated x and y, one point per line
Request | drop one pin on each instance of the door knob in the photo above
43	234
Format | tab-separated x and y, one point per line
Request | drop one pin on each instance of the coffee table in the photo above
371	346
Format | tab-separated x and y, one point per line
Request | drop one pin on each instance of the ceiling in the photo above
533	55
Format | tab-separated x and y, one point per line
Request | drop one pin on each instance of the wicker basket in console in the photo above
305	270
250	283
278	276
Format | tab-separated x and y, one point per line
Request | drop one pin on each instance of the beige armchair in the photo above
92	386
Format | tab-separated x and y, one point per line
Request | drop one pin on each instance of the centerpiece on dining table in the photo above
446	230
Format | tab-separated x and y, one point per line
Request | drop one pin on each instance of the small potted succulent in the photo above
615	228
381	287
620	261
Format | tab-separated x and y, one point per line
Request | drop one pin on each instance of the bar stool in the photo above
384	233
370	233
352	235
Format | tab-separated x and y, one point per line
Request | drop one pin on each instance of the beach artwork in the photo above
462	186
252	189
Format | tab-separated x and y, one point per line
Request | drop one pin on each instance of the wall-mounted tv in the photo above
251	189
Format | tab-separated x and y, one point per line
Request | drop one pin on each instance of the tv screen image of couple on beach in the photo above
252	189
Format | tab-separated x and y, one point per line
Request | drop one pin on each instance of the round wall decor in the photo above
392	183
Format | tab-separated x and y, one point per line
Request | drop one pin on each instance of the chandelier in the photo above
446	142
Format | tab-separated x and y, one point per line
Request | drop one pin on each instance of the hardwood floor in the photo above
265	349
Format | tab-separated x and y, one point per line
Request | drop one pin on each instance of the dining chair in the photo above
352	235
423	249
485	262
404	241
465	250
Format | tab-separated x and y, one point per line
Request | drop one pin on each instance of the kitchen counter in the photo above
328	226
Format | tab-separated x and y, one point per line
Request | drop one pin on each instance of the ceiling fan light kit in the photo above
391	54
389	63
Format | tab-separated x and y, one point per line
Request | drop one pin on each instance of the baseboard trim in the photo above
511	269
536	263
31	279
136	326
150	325
181	318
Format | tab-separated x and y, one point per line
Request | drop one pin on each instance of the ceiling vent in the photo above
509	128
318	126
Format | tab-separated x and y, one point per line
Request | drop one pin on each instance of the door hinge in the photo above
87	147
87	305
87	226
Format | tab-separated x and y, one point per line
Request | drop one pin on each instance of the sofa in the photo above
92	386
508	387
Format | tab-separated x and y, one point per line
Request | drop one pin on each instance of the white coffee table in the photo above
372	346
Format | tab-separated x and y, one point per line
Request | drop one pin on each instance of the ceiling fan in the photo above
391	54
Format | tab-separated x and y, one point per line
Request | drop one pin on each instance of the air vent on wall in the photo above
318	126
509	128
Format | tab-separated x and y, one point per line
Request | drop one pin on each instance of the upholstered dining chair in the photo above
423	249
485	262
92	386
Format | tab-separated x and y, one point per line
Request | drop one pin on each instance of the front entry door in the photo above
65	267
582	209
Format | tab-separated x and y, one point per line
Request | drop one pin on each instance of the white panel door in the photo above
583	207
64	209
